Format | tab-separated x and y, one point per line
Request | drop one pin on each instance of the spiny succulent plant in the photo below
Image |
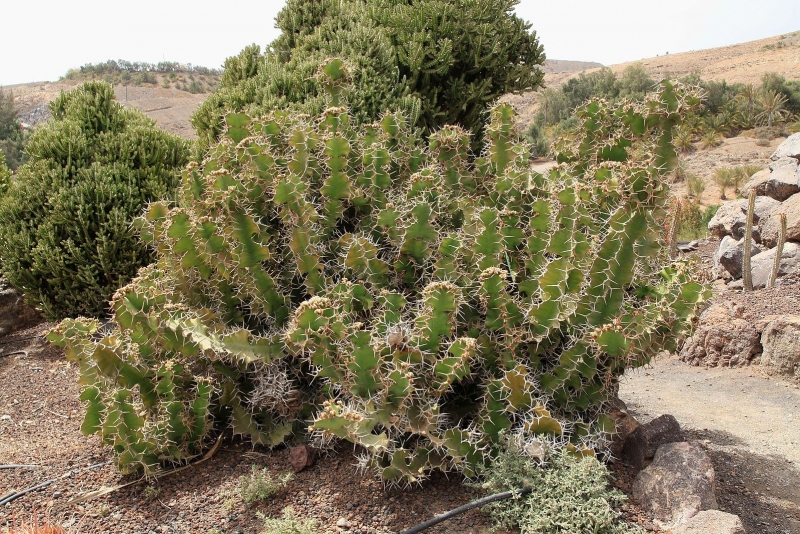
320	279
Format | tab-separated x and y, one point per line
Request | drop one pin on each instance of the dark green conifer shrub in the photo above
66	238
5	175
437	61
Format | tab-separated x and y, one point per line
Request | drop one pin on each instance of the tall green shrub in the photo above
65	223
437	61
397	294
12	136
5	175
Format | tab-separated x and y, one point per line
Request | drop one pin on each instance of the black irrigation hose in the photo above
17	494
25	352
469	506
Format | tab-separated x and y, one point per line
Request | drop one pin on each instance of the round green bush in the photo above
66	238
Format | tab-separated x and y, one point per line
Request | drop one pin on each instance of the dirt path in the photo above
750	426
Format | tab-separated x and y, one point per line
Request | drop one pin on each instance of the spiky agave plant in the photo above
406	297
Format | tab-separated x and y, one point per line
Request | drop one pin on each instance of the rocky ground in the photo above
747	423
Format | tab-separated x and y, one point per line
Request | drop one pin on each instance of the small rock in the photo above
711	521
643	442
736	285
301	457
343	523
677	485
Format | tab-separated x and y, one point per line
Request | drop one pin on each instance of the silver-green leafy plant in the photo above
260	484
570	494
289	523
353	282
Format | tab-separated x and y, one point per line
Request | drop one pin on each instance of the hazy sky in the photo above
41	39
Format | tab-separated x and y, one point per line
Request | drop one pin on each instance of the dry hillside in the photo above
745	62
739	63
170	107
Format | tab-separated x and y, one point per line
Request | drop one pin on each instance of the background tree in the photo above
772	81
635	82
65	224
439	62
772	107
12	136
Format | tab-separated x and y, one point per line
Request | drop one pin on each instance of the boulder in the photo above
711	522
14	313
731	217
722	338
757	181
788	149
769	227
730	253
644	441
728	215
677	485
779	182
781	353
761	264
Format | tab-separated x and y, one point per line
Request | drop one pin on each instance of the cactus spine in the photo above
399	295
776	266
747	273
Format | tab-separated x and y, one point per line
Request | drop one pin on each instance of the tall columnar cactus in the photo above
747	272
776	265
324	280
